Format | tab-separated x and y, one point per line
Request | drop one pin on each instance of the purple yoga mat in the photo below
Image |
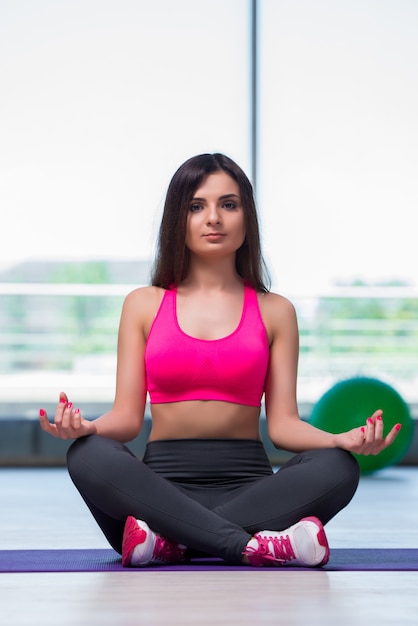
105	560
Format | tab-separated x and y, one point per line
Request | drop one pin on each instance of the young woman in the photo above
207	341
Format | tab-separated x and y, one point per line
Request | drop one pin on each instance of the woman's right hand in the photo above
68	422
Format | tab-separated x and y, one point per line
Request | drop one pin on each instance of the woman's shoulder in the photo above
149	292
144	299
275	304
278	313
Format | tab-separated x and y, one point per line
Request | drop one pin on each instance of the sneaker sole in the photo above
133	536
321	536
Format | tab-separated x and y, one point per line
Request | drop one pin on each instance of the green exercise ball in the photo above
350	402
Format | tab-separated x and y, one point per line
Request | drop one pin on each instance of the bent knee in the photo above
78	449
83	452
345	467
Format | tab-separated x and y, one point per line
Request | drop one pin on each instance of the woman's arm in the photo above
124	421
285	428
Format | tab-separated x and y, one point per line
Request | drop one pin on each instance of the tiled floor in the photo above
41	509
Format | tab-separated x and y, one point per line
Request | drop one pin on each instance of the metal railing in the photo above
71	329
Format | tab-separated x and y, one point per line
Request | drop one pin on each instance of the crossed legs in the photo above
220	519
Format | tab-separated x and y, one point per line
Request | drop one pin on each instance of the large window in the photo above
338	96
101	101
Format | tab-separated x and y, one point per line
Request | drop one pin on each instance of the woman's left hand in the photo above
368	439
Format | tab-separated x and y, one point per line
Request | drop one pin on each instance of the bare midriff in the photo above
204	419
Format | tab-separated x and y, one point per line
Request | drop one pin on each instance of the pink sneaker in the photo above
303	544
141	546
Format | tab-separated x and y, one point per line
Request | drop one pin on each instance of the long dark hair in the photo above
172	259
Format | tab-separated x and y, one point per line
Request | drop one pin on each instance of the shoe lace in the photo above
276	549
166	551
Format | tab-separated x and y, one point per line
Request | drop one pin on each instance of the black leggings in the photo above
211	495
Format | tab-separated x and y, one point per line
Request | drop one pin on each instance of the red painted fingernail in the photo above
379	417
398	426
369	420
41	412
62	401
77	411
70	405
363	430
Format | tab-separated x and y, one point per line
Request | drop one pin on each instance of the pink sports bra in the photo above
180	367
